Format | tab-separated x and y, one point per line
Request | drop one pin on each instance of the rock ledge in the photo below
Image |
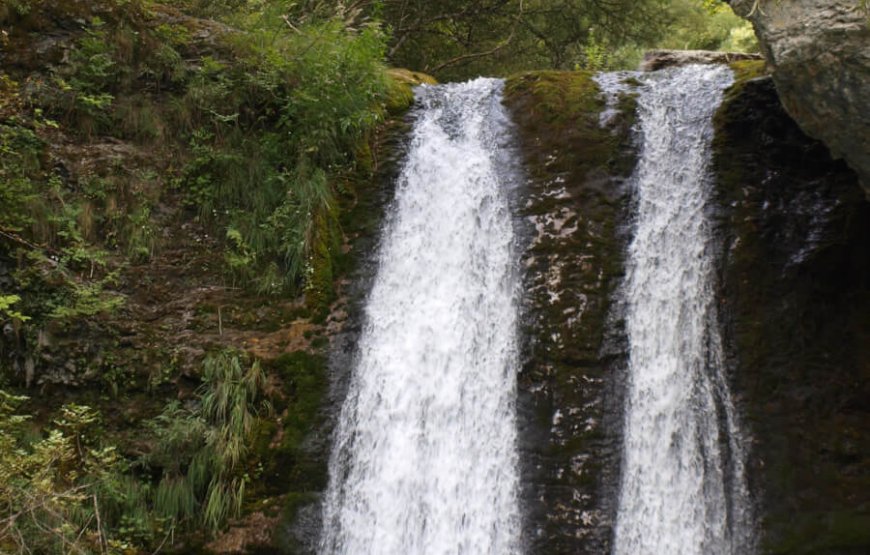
819	51
660	59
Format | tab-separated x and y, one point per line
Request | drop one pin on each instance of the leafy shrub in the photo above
20	149
68	491
6	310
61	492
85	85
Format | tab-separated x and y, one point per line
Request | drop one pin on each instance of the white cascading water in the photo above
425	455
683	488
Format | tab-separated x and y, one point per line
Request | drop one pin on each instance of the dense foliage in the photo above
255	128
457	39
70	491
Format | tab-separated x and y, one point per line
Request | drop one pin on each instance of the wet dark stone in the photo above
570	409
661	59
795	293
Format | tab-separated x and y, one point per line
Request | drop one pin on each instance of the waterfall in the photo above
425	455
683	489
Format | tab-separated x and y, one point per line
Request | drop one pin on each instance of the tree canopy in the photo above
456	39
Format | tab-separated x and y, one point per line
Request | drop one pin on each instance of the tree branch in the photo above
498	47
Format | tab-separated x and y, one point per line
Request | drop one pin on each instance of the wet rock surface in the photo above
299	530
660	59
820	54
570	386
795	287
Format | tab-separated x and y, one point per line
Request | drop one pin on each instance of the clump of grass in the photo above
310	97
200	449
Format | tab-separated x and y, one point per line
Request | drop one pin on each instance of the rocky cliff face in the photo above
793	283
794	290
819	51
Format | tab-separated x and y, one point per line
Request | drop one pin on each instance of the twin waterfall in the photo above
425	460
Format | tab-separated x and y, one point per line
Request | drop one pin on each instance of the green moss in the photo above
575	169
836	532
284	542
561	94
748	69
557	113
287	464
400	95
289	467
729	115
305	375
319	286
794	325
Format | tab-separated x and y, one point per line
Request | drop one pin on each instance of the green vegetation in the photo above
317	93
261	126
457	39
563	106
144	120
708	25
200	451
6	310
266	125
70	491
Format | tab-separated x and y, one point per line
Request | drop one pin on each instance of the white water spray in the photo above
425	459
683	488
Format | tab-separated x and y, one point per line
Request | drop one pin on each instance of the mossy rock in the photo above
401	88
280	446
830	533
748	69
576	198
557	113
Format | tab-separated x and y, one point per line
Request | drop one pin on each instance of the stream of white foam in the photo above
425	456
683	487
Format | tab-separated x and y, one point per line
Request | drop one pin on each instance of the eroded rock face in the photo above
573	209
820	54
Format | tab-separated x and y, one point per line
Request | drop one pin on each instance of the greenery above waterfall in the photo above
457	39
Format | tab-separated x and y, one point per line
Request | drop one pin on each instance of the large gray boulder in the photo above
819	51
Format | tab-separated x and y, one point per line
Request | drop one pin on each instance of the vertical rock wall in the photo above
570	408
795	292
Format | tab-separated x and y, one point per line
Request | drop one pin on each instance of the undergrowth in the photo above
69	490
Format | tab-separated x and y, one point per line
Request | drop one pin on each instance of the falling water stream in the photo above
425	455
683	489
